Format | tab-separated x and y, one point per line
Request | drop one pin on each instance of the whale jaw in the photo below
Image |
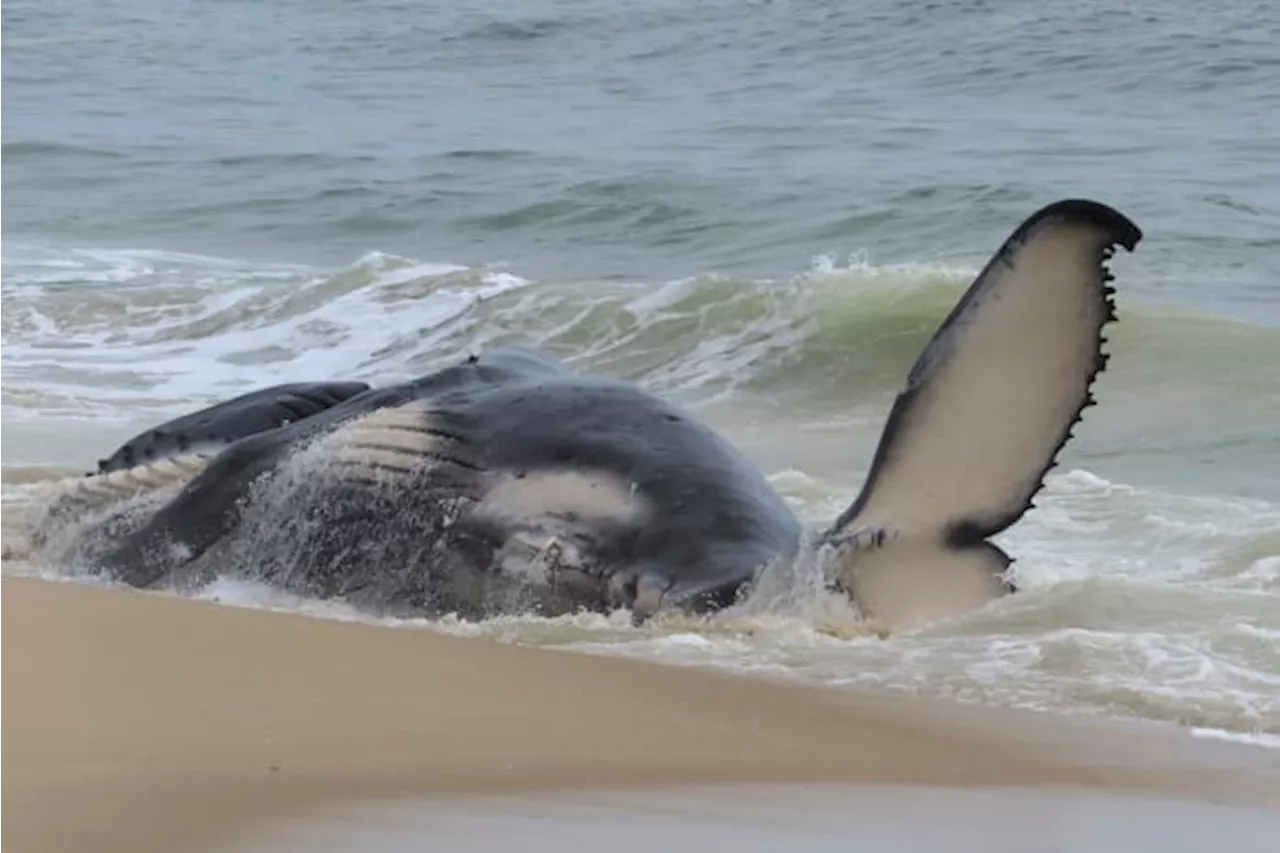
987	407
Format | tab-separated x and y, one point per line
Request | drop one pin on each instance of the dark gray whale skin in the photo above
425	496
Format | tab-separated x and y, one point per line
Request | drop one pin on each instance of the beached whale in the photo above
506	482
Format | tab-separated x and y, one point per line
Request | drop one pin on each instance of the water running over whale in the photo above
506	483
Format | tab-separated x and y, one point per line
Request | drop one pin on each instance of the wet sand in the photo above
139	722
785	818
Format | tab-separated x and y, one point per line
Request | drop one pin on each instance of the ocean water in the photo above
760	209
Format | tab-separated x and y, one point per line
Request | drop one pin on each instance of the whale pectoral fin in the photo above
995	393
234	419
908	583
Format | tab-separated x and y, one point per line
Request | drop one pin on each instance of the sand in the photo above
141	721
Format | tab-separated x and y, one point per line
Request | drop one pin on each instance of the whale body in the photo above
507	483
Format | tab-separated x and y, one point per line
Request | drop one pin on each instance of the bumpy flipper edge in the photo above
989	404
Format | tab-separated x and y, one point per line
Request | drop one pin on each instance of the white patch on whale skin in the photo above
589	495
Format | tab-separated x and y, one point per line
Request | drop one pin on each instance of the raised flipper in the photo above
211	429
988	405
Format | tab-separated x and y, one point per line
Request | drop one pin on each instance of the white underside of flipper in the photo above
988	405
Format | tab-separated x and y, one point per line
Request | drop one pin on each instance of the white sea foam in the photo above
173	329
1270	741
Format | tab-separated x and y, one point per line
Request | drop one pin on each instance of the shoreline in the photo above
145	721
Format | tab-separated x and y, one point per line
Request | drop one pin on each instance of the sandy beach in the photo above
140	721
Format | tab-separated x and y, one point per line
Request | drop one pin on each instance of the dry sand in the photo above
137	722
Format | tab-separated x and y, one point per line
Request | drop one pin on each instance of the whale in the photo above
505	482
